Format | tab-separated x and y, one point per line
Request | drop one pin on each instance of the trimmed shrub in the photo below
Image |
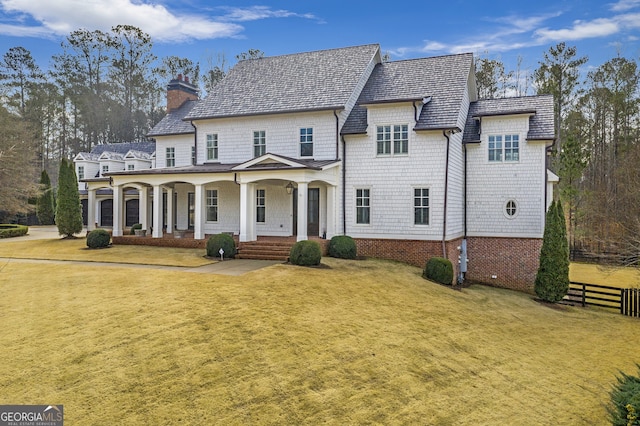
440	270
624	409
98	238
305	253
134	227
8	231
68	208
343	247
221	241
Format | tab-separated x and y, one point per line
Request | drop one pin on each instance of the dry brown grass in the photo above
623	277
365	342
76	249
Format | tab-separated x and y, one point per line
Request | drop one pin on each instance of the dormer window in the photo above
504	148
131	167
392	140
105	168
80	172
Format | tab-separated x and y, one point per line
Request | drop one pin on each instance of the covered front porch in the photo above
267	197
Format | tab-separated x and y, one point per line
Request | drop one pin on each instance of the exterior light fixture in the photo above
289	188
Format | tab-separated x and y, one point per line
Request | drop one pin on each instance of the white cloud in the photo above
61	17
580	30
624	5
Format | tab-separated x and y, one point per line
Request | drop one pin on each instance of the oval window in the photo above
511	208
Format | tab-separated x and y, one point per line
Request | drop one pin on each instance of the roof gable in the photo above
538	108
443	79
173	123
319	80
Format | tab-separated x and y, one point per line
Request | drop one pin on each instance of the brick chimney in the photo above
179	91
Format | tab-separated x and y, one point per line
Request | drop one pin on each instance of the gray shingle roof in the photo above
317	80
123	148
173	124
444	78
541	123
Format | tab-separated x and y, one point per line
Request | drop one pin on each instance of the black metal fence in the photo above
624	300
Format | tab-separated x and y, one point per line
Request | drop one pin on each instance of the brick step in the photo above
262	247
263	256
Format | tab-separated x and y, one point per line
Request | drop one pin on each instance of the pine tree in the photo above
552	279
68	209
44	204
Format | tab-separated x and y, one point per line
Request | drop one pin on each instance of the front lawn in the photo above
364	342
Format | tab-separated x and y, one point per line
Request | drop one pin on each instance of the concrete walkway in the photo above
228	267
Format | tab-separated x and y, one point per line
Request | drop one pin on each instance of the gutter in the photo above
195	144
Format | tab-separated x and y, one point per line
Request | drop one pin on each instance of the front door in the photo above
313	212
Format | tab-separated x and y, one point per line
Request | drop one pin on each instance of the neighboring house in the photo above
398	155
91	168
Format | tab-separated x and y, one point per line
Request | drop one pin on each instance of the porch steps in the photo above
265	250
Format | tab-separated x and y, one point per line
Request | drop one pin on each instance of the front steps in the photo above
265	249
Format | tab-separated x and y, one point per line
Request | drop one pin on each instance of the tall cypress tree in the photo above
68	208
552	279
44	203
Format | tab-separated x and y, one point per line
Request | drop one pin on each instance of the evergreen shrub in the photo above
552	279
221	241
305	253
440	270
343	247
134	227
10	230
624	409
98	238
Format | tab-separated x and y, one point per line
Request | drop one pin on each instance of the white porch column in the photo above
247	212
91	209
117	211
331	211
303	206
198	226
143	202
169	210
157	211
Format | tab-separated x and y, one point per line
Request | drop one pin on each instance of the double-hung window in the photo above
504	148
421	206
261	208
306	142
105	168
363	206
171	157
131	167
80	172
392	140
212	146
212	205
259	143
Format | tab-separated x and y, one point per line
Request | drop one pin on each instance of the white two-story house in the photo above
401	156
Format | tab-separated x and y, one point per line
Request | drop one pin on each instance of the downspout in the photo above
337	133
415	113
464	212
445	133
344	187
195	144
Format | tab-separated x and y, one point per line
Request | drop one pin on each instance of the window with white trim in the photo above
193	155
392	139
80	172
511	209
363	206
170	158
259	143
131	167
105	168
261	207
306	142
212	146
212	205
504	148
421	206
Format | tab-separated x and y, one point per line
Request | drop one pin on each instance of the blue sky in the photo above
200	30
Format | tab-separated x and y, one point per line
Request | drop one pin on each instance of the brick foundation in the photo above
513	261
